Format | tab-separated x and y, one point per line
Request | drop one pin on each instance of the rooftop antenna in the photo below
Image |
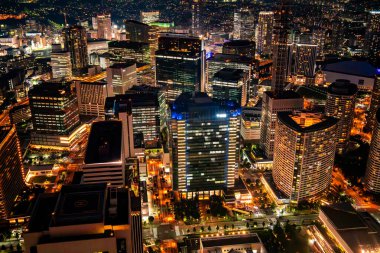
65	16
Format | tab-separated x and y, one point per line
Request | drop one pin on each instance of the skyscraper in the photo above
122	76
304	154
240	47
231	84
180	64
375	103
305	60
148	17
11	169
280	47
196	17
61	64
265	32
341	96
148	108
104	26
75	41
55	115
273	103
92	97
373	38
372	176
204	136
244	25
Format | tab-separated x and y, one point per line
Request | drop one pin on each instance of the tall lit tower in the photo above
304	154
373	37
75	41
180	64
244	25
340	103
305	59
195	17
280	47
375	103
104	26
372	177
11	169
204	134
265	32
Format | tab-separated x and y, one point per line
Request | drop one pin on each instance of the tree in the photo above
194	229
247	225
151	220
225	227
232	226
255	224
263	223
188	231
217	228
209	228
202	229
216	206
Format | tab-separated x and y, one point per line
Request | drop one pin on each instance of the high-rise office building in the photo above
11	169
92	97
319	38
196	17
375	104
265	32
204	135
122	76
104	26
373	38
305	60
126	50
75	41
61	64
231	84
85	217
148	108
220	61
280	48
372	176
138	32
341	96
240	47
105	158
180	64
272	104
55	116
304	154
244	25
148	17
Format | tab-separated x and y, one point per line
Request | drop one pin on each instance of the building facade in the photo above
272	104
180	65
12	171
75	42
341	96
372	177
304	154
61	65
104	26
204	136
122	76
264	32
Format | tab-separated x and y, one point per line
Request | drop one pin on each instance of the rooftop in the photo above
359	230
123	65
51	89
104	142
356	68
230	240
306	122
287	94
239	43
343	87
231	58
80	204
229	74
